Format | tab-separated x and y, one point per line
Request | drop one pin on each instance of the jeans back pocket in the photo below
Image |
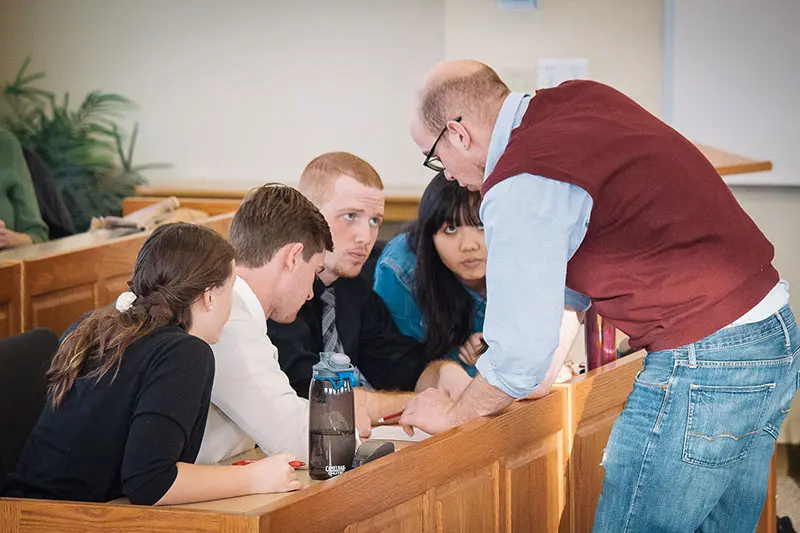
723	422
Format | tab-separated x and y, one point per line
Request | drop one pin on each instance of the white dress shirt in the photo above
252	401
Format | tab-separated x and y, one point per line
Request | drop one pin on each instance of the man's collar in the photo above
319	286
501	133
251	303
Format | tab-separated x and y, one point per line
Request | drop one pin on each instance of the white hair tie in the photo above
125	301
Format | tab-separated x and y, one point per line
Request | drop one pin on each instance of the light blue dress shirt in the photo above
533	226
394	281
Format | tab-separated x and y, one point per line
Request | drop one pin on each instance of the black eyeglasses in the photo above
432	161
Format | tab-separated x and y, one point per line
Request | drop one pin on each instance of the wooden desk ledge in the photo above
212	206
535	467
479	475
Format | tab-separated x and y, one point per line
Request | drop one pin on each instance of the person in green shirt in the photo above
20	221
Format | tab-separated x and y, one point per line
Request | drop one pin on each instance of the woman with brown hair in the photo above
130	387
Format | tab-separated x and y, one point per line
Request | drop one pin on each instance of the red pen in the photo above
293	464
384	419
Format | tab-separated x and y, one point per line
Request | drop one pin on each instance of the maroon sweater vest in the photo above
669	256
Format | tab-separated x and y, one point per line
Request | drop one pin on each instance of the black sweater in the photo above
122	437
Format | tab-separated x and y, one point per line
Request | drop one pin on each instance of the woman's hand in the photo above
274	474
471	350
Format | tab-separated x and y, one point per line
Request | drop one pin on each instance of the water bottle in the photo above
331	416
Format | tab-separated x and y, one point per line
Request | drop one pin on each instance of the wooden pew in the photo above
536	467
63	279
499	474
212	206
10	299
220	223
399	208
59	288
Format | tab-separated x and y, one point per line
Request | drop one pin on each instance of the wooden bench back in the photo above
58	289
10	299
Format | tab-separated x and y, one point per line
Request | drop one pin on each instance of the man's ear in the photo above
458	135
293	255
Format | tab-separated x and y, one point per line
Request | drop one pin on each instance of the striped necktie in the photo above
330	335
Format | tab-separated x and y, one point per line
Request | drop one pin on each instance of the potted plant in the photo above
83	146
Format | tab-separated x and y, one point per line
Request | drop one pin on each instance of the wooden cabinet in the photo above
10	299
408	517
594	401
53	284
479	477
59	289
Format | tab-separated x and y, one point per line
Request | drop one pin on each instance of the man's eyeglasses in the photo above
432	161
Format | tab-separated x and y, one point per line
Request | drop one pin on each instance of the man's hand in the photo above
372	405
470	351
12	239
433	411
363	422
430	411
445	375
4	236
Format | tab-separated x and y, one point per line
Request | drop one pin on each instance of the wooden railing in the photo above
10	298
535	467
52	284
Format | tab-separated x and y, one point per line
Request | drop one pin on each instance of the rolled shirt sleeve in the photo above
533	226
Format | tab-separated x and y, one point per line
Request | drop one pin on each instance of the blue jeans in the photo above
692	448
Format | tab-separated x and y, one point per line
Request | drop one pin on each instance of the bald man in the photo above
584	188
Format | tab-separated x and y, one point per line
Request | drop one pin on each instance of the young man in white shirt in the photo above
280	239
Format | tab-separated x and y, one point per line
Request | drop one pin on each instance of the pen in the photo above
384	419
483	348
293	464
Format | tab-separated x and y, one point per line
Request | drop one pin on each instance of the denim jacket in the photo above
394	282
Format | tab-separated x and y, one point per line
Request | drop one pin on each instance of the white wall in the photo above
249	91
735	66
245	90
622	39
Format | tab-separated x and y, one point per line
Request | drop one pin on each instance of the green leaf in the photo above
21	71
84	146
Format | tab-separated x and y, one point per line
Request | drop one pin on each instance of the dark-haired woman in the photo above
129	389
433	276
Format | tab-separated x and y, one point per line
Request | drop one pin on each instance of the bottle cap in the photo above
335	367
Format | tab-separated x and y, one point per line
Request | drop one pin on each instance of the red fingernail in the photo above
296	464
243	463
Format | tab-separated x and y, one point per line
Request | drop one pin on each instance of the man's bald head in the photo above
460	88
